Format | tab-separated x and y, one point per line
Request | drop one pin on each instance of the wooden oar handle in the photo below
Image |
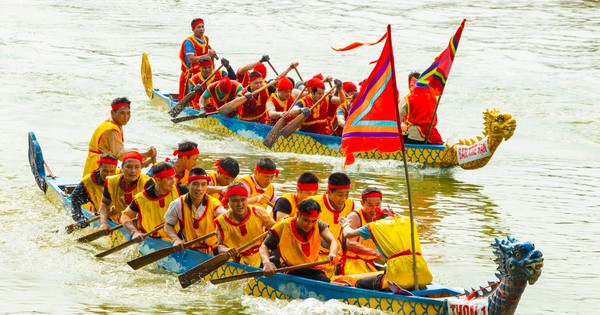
262	273
198	240
254	240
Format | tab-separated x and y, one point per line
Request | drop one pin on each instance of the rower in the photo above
120	189
206	70
393	239
298	239
307	186
334	204
254	108
187	157
259	183
243	72
108	136
89	191
337	124
361	254
281	101
218	94
240	224
192	48
416	110
195	212
226	172
150	205
317	121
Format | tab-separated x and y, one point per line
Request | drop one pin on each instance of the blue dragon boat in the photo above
519	263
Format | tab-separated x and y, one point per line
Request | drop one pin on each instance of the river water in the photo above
62	62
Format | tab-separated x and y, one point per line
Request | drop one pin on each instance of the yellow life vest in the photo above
152	211
235	235
248	180
193	228
213	182
120	196
183	179
94	192
293	203
353	263
91	162
294	249
392	236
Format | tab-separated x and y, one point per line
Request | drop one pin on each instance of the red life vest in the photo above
317	122
255	109
217	101
199	79
186	73
421	105
281	107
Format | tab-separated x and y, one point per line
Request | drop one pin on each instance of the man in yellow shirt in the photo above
227	170
287	206
259	183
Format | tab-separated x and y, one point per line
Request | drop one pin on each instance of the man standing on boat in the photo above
241	224
281	101
416	110
218	94
361	253
108	136
317	121
187	157
334	204
287	206
298	239
393	239
89	191
259	184
195	212
150	205
227	170
120	189
192	49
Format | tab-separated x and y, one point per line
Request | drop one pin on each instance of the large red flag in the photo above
373	120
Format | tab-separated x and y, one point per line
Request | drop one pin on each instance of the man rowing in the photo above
203	78
218	94
108	136
120	189
254	107
338	123
335	204
150	205
297	240
243	72
192	49
226	172
317	121
281	101
393	239
187	157
286	206
240	224
259	183
89	191
195	212
361	253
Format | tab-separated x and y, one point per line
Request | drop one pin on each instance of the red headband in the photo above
373	194
331	186
312	213
165	173
237	190
198	177
221	170
308	186
191	152
205	63
254	78
200	21
107	160
266	172
119	105
133	155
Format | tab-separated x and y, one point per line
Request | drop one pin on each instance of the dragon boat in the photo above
519	263
466	153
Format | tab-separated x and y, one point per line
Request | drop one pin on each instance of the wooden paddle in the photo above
162	253
269	62
193	275
128	243
295	124
239	101
73	226
191	117
176	110
274	133
262	273
146	72
98	234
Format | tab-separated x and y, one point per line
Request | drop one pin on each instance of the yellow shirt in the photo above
97	145
194	228
94	192
249	181
152	210
121	196
296	250
354	263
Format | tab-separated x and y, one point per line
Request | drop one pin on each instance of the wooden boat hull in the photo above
281	286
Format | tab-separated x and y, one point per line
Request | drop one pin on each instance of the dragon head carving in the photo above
518	260
497	123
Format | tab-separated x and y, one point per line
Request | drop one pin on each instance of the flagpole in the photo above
410	207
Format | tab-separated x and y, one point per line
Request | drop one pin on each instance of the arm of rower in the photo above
126	219
243	69
327	236
104	213
110	142
268	221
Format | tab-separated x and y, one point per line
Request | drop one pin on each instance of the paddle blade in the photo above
177	109
147	75
193	275
274	133
150	258
115	249
293	125
94	236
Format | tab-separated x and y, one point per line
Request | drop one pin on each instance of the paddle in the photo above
162	253
98	234
203	114
146	71
262	273
295	124
193	275
233	105
269	62
176	110
128	243
274	133
73	226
